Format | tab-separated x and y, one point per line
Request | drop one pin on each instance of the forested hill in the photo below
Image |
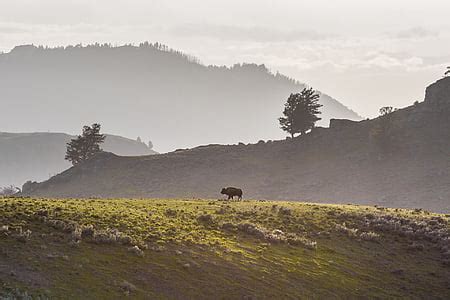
147	90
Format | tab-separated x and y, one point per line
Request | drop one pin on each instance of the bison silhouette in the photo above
232	192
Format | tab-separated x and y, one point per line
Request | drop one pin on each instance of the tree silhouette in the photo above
300	112
386	110
85	145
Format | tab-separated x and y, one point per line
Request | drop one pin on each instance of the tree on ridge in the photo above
300	112
85	145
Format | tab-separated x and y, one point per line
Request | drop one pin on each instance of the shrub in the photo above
369	236
284	211
171	212
23	236
42	213
252	229
111	236
124	239
57	224
127	287
205	219
228	226
136	250
77	234
4	229
87	231
276	236
351	232
221	211
104	237
416	247
308	243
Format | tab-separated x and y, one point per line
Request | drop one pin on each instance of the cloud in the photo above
23	28
416	33
242	33
14	28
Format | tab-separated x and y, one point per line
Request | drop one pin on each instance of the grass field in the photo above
184	249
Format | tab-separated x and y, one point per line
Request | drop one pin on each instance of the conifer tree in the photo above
85	145
300	112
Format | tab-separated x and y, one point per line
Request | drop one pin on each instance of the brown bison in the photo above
232	192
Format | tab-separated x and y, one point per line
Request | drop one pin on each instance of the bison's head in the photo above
224	191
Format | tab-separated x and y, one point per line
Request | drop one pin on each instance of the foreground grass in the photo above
175	248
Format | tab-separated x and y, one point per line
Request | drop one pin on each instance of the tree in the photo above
386	110
85	145
300	112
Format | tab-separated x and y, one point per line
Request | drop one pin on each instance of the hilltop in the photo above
204	249
147	90
400	160
38	156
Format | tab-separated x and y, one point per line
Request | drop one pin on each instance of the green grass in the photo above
190	257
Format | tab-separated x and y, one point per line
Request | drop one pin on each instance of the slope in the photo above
200	249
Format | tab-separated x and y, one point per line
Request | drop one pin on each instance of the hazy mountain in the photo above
149	91
400	160
37	156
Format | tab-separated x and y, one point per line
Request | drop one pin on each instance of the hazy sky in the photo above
365	53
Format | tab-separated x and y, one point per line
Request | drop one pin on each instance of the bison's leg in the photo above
229	197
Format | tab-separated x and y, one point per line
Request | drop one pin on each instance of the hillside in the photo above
401	160
37	156
203	249
149	91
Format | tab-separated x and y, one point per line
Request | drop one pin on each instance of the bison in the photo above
232	192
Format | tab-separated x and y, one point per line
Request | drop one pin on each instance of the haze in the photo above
366	54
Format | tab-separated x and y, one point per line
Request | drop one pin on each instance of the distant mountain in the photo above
399	160
148	90
37	156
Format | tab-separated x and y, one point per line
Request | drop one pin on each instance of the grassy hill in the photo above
400	160
183	249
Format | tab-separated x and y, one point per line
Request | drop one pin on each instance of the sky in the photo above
365	53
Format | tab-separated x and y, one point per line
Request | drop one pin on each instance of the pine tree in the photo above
300	112
386	110
85	145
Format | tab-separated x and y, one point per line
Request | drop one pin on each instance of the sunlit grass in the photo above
197	248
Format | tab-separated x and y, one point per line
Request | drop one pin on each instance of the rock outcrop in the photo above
438	94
